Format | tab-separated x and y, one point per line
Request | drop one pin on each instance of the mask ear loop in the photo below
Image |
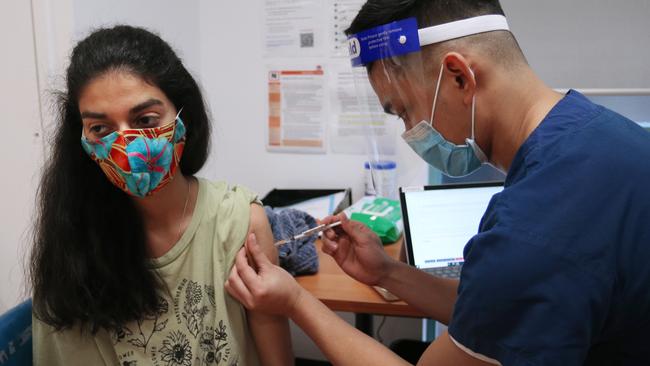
178	114
472	142
435	96
473	102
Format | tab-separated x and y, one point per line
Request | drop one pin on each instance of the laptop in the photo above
440	220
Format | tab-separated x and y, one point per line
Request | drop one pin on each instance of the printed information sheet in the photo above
353	129
294	28
296	110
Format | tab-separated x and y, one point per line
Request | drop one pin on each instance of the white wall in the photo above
21	147
584	43
176	22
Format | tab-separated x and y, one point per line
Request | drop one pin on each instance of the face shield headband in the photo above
403	37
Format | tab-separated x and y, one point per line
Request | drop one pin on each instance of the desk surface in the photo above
340	292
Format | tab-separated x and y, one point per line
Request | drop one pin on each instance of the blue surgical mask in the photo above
451	159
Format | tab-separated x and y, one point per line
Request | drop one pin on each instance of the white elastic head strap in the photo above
462	28
435	95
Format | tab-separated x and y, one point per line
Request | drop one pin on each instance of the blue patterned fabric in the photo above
16	335
297	257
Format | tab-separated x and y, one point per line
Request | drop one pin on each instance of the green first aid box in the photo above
381	215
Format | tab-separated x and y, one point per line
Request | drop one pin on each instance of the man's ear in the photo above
457	66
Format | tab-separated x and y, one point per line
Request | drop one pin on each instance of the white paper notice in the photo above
296	111
352	128
293	28
342	13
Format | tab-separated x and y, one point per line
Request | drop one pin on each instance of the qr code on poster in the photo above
306	40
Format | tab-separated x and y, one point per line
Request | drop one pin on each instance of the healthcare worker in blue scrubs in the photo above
558	273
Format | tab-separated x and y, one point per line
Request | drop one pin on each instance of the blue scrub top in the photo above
559	273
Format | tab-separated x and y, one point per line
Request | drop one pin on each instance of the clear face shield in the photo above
405	81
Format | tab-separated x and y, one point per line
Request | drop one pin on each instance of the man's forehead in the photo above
380	84
379	77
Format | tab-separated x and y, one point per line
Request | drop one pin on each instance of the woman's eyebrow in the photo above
144	105
93	115
138	108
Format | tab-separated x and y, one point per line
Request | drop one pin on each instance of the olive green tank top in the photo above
197	323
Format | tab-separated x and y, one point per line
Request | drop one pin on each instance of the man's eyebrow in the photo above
388	109
93	115
144	105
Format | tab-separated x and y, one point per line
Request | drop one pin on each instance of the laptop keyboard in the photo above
446	272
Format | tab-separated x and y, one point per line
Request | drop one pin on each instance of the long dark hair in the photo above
89	263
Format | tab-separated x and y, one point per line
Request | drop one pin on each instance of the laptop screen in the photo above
440	220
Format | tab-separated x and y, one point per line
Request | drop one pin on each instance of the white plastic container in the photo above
381	180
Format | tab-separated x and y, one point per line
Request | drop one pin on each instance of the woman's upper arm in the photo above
259	225
270	332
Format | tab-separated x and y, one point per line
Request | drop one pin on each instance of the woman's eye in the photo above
98	130
147	121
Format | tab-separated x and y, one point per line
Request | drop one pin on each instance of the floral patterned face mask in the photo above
139	161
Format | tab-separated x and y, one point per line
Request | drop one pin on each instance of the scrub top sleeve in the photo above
521	304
